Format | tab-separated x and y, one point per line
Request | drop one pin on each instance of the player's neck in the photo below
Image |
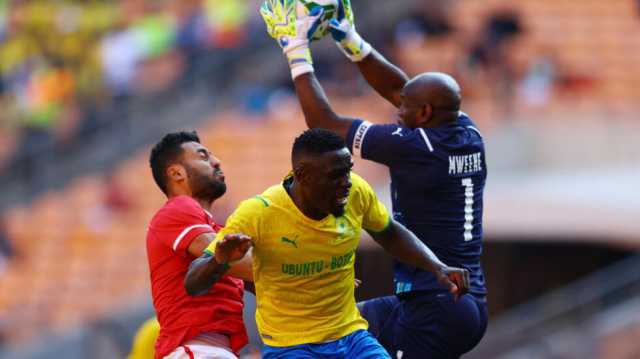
439	121
205	203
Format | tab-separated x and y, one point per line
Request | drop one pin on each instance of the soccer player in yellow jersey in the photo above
145	340
304	233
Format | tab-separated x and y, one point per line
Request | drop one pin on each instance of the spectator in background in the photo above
120	51
43	95
148	34
192	32
7	250
227	18
489	54
537	85
429	18
4	6
116	199
116	202
499	27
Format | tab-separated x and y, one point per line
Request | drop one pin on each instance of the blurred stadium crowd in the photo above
76	255
62	61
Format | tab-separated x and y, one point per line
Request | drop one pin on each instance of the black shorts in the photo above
426	325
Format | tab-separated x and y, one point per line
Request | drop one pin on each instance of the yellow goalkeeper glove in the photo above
292	26
343	31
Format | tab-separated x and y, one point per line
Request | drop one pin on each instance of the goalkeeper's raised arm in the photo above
294	24
386	78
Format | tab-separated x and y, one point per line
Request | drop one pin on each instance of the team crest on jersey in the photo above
344	230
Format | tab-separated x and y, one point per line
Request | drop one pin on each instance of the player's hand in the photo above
343	31
292	30
455	279
232	248
357	283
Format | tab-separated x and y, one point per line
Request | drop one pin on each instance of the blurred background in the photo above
86	87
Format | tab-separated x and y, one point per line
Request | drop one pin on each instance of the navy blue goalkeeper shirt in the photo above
437	183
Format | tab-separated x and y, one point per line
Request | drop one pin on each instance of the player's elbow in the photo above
334	124
321	120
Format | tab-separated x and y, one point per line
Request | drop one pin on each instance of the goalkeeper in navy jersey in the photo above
436	159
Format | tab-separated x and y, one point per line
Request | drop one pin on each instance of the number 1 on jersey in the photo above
468	208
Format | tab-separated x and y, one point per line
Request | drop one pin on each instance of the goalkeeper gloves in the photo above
293	27
343	31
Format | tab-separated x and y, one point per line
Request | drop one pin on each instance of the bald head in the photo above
437	89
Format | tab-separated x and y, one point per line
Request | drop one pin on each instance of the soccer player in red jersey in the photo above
210	325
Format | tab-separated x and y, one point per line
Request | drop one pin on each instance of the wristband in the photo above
355	48
222	267
300	61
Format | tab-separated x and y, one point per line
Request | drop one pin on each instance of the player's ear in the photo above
299	172
176	173
424	115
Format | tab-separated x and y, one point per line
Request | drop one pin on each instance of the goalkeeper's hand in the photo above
292	31
343	31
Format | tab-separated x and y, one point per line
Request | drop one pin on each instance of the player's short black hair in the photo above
166	152
316	141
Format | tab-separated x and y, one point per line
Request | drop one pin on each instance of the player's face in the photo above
329	181
204	175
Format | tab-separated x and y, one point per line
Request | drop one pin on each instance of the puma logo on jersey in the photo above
397	132
290	241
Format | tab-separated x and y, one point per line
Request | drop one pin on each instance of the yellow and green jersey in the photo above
303	268
145	340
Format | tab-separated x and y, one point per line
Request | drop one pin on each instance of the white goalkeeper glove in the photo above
343	31
293	27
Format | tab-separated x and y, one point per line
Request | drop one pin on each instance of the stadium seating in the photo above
594	44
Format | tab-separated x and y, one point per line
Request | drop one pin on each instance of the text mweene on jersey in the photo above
465	164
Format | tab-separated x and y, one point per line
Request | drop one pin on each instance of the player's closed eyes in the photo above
204	155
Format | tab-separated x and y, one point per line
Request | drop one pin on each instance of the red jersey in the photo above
181	316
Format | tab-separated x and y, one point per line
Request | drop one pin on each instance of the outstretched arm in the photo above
316	108
406	247
203	273
293	32
386	78
383	76
206	270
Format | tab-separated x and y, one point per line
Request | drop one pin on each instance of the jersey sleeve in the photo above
378	143
245	219
375	217
181	223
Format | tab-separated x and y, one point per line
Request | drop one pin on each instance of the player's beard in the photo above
338	211
205	186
